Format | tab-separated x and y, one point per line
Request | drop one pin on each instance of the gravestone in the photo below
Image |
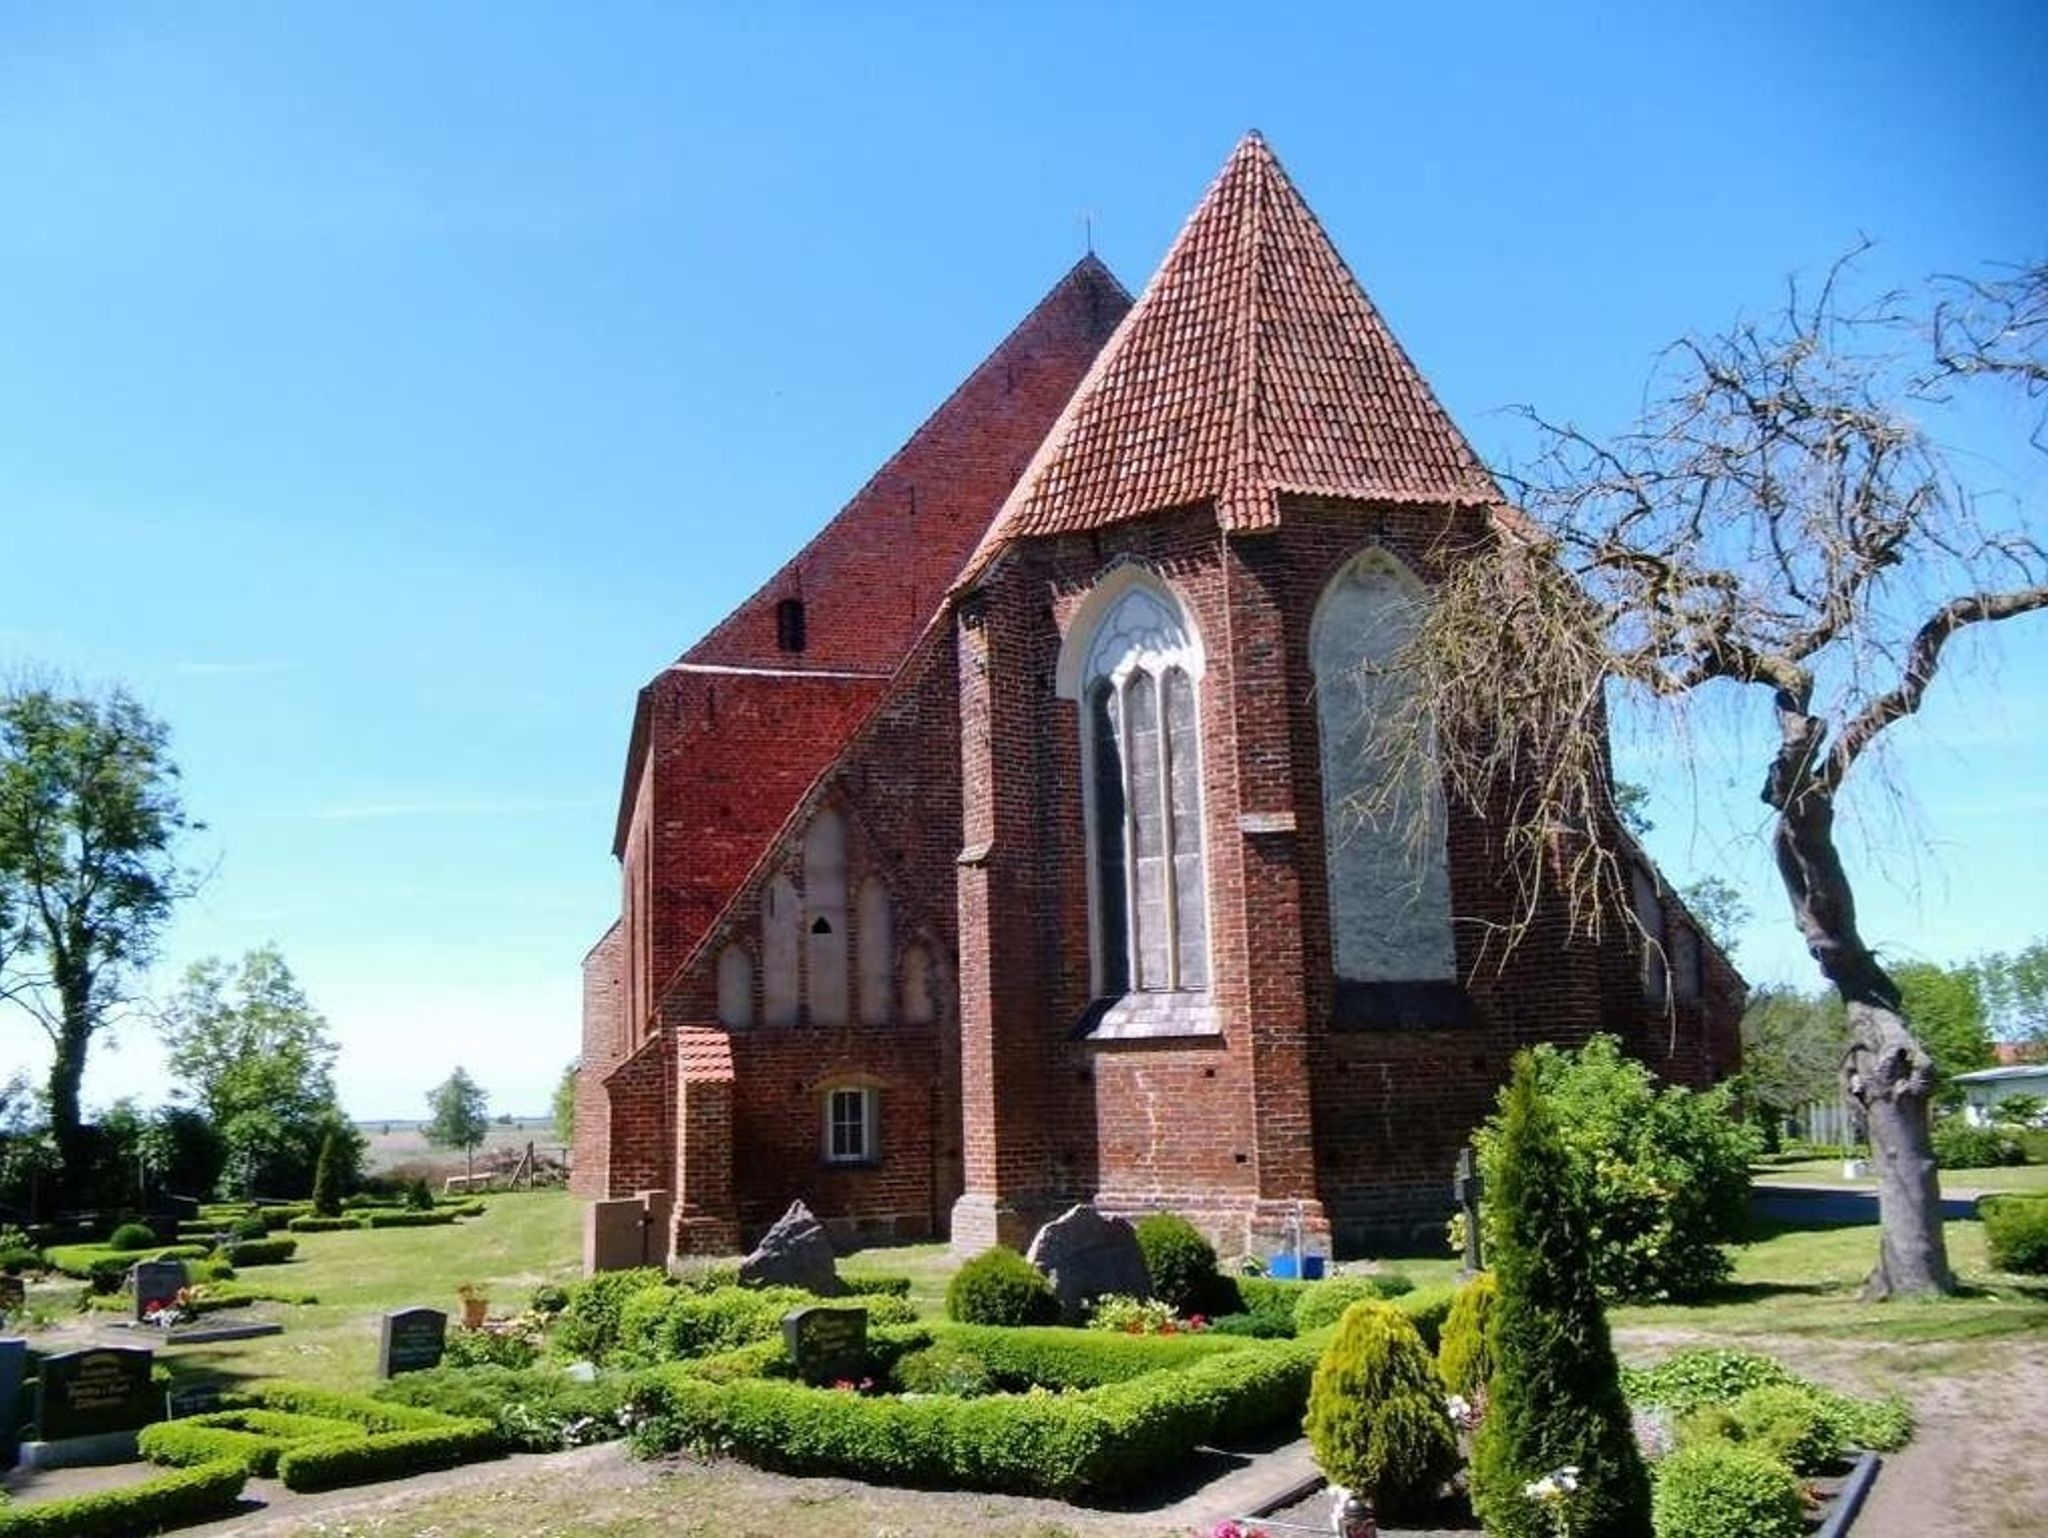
1466	1187
182	1399
95	1393
1087	1256
13	1364
411	1340
828	1345
13	1294
796	1252
157	1282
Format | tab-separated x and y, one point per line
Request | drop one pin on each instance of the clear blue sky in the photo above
387	390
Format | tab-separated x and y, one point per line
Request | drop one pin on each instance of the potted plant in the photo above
476	1304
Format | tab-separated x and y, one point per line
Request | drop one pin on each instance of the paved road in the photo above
1834	1206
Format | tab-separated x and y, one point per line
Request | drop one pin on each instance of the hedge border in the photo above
173	1500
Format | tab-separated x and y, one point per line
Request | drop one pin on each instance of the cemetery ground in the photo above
1975	1369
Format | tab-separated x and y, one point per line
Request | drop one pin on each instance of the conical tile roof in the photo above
1253	364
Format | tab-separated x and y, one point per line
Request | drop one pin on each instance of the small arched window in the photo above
735	987
1133	663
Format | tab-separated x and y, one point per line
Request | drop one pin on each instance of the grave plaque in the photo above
90	1393
183	1399
13	1364
828	1345
157	1282
411	1341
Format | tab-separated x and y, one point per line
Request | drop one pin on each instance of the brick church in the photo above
1003	849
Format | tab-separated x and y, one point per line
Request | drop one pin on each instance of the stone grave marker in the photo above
411	1340
1466	1187
157	1282
796	1252
95	1392
828	1344
13	1293
13	1365
1085	1256
182	1399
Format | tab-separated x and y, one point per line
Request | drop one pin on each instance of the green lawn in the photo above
522	1240
2017	1177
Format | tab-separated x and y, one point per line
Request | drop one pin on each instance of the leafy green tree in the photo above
564	1106
458	1116
2014	986
1948	1015
1554	1400
90	817
1792	1045
1720	909
1660	1173
249	1050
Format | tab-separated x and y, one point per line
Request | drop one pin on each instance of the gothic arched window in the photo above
1383	820
1134	671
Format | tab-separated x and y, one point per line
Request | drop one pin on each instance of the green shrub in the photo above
1555	1399
550	1298
873	1285
1180	1261
327	1176
1715	1489
1661	1175
407	1217
1323	1303
1960	1146
326	1465
218	1296
1376	1416
371	1414
16	1258
589	1324
1791	1424
252	1225
1001	1287
664	1324
175	1499
1052	1356
314	1223
538	1410
1463	1358
1690	1381
1097	1441
473	1208
106	1268
130	1237
942	1368
1268	1307
2016	1229
491	1348
259	1252
1427	1308
419	1196
257	1437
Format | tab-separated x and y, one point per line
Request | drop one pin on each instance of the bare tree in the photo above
1776	527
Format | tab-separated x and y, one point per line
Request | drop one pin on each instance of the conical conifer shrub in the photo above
1376	1417
1554	1401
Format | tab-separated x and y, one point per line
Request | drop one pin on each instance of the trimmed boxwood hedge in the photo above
259	1252
1092	1442
2016	1228
875	1285
171	1500
1057	1357
98	1262
406	1217
663	1324
328	1463
257	1437
313	1223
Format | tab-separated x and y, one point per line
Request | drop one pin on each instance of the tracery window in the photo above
1141	777
1384	822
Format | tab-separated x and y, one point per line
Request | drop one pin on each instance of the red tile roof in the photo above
873	577
1252	364
705	1056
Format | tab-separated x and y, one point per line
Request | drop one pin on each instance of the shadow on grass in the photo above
1199	1469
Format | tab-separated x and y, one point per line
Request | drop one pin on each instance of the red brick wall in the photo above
641	1092
603	1050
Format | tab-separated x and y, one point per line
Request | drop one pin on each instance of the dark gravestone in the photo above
91	1393
13	1294
796	1252
1087	1256
13	1363
1466	1187
828	1345
157	1283
411	1341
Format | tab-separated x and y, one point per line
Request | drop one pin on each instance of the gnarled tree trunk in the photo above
1885	1071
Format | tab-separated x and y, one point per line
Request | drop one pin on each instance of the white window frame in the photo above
866	1124
1102	644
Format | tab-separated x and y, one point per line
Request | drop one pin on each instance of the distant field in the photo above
392	1143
